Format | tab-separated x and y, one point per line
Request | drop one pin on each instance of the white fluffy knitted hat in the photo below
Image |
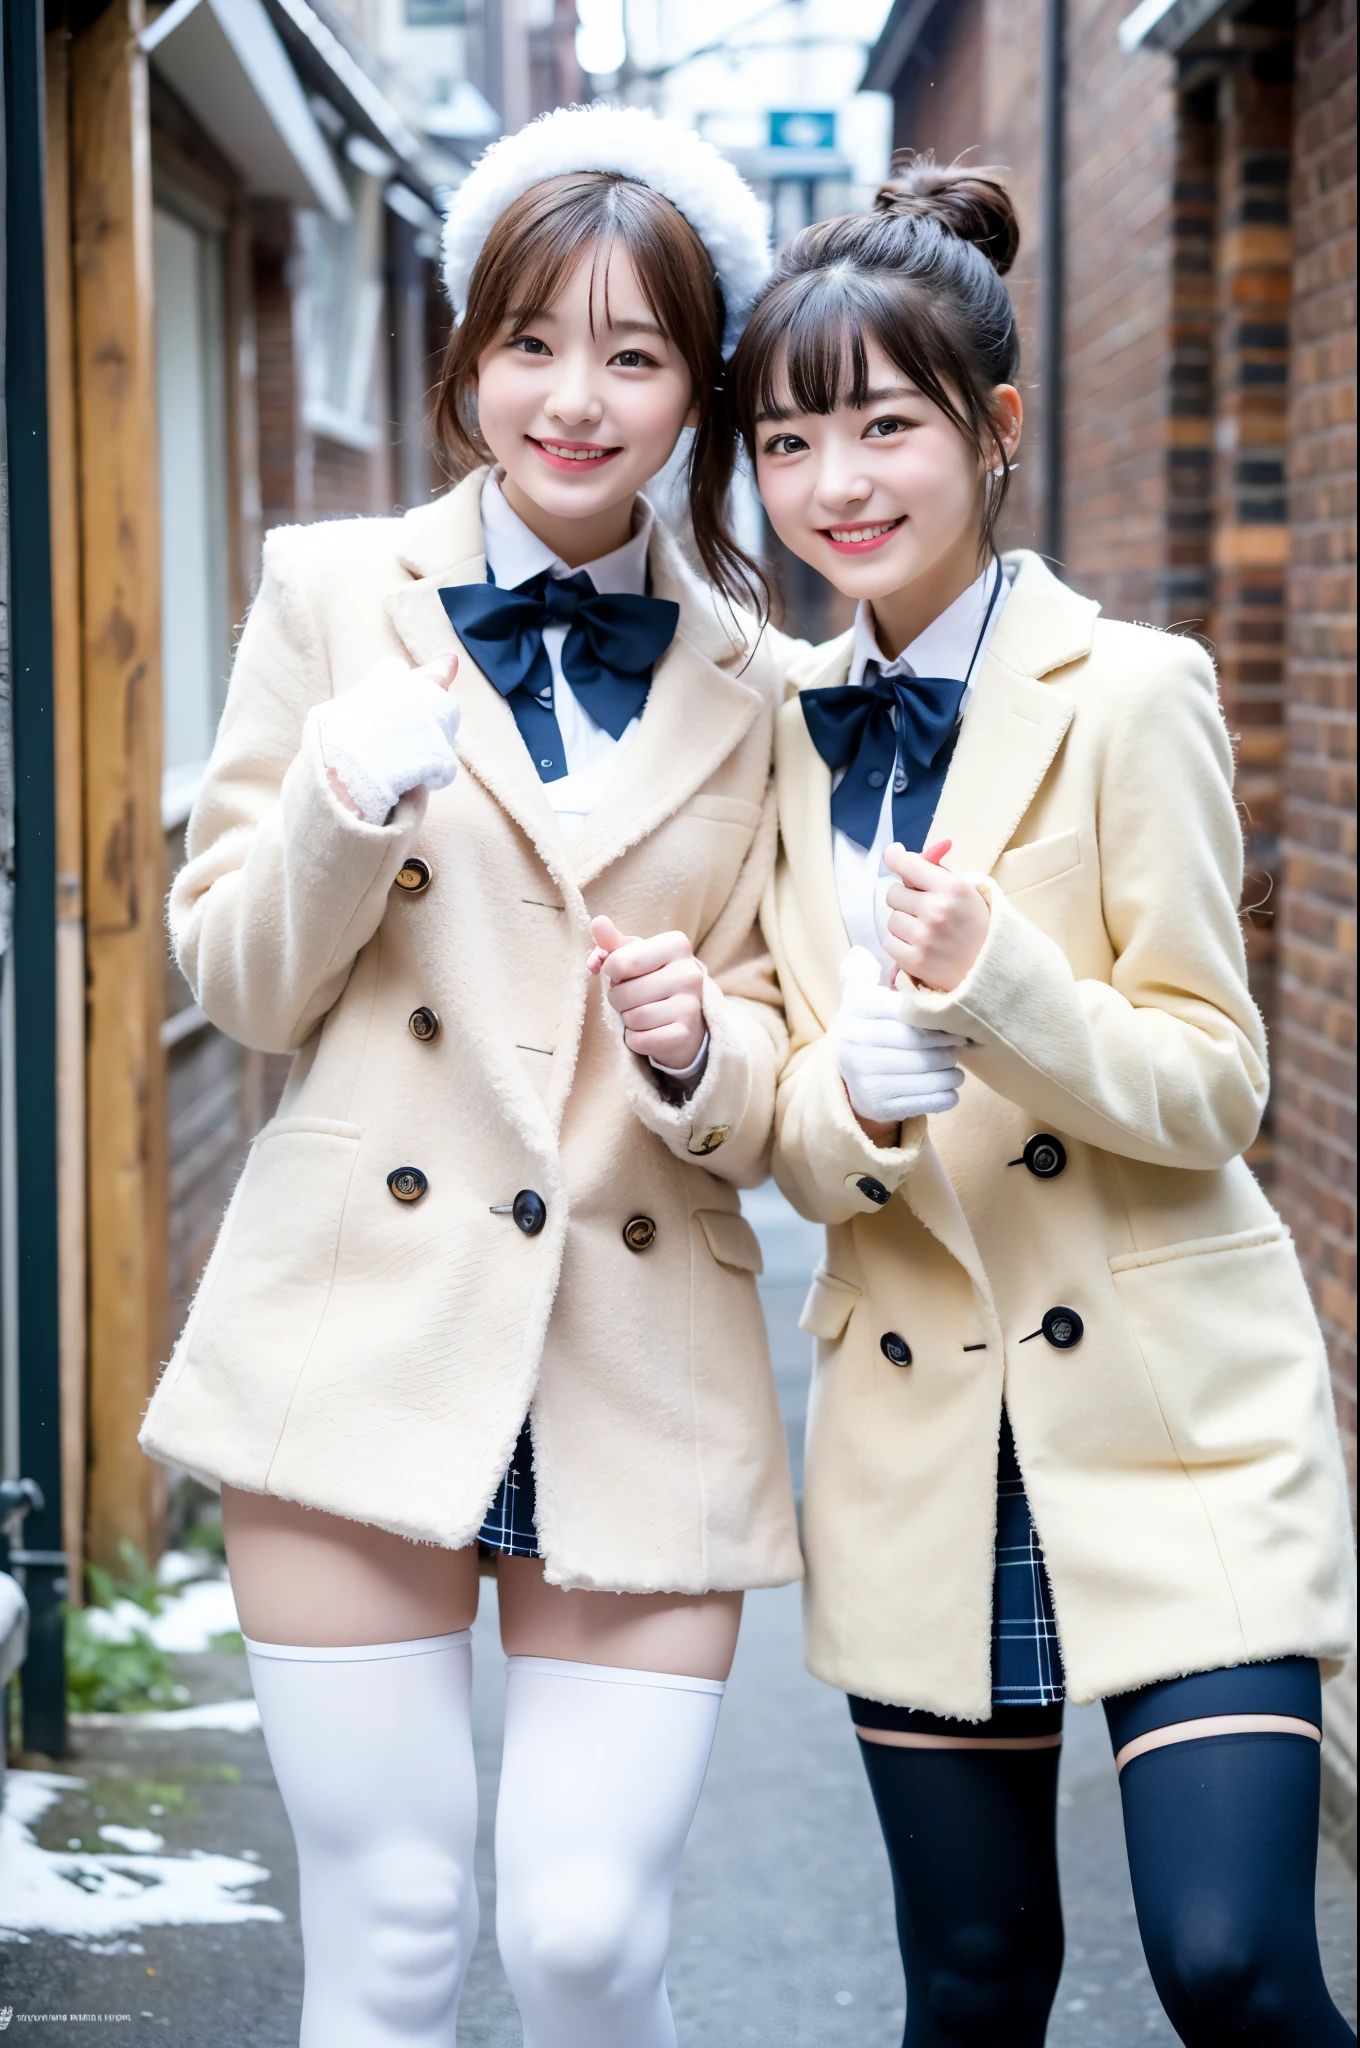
716	201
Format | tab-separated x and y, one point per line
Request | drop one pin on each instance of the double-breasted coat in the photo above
373	1326
1181	1458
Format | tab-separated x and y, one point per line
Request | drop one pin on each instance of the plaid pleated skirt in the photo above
508	1527
1026	1661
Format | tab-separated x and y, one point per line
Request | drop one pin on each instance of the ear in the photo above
1007	409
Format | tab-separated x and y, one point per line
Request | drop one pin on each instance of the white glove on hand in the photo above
891	1070
389	735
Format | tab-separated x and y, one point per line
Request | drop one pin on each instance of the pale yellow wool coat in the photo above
375	1357
1182	1462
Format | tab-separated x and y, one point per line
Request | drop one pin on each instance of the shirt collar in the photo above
514	554
946	646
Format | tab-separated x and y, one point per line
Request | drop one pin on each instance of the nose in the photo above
841	484
573	400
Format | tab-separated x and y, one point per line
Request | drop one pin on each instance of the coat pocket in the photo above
1230	1343
827	1308
1043	860
731	1239
271	1276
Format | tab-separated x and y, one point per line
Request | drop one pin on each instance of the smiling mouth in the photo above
572	454
859	539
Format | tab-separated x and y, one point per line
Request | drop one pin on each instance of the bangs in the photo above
806	349
597	213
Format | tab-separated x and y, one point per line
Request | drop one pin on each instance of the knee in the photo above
420	1914
580	1933
994	1983
1221	1976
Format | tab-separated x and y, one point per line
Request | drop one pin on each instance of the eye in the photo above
784	444
632	359
530	345
879	430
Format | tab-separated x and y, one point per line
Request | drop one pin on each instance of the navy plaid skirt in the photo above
1026	1661
508	1527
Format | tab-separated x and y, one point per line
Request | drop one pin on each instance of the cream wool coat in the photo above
375	1357
1182	1462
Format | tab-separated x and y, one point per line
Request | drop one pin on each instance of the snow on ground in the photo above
231	1717
185	1626
91	1896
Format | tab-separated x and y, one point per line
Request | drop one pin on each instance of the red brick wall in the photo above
1013	72
1121	163
1314	1049
939	104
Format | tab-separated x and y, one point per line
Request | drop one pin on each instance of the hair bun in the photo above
970	202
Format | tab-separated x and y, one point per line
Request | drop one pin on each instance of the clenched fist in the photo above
655	985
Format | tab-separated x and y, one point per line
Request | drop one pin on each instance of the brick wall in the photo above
1314	1051
1121	168
1014	87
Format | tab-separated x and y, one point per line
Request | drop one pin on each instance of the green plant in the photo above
206	1534
116	1678
139	1586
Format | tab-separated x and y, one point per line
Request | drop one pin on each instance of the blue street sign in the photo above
800	129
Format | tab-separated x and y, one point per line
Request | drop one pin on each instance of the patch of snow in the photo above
178	1567
88	1896
141	1841
186	1625
229	1717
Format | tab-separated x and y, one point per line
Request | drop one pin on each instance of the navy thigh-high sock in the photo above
1222	1838
971	1837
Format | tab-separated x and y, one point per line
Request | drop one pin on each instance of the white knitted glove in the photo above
391	733
891	1070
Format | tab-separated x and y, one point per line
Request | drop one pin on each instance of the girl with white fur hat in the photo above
485	1283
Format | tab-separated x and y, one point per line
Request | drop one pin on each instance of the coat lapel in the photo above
1015	722
695	715
696	712
805	827
442	545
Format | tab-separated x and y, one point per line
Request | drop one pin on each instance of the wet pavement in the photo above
783	1925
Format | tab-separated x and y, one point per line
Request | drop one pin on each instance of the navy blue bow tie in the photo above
852	728
898	729
612	645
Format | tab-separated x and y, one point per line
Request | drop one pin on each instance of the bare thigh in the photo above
324	1582
688	1635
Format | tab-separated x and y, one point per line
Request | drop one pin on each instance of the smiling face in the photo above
884	498
581	401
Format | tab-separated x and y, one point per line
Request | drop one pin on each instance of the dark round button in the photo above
639	1233
875	778
895	1349
414	876
407	1183
1063	1328
529	1211
873	1190
423	1024
1045	1155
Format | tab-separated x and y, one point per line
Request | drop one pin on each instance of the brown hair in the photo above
523	264
921	277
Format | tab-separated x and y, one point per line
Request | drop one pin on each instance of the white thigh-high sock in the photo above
600	1778
372	1750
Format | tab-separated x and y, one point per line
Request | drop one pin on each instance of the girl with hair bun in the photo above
1071	1430
482	843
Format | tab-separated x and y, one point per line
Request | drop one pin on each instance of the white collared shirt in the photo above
514	554
945	648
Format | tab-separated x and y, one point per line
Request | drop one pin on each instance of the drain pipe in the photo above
1052	280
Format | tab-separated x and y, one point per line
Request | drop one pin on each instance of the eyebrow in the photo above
539	316
775	414
638	327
